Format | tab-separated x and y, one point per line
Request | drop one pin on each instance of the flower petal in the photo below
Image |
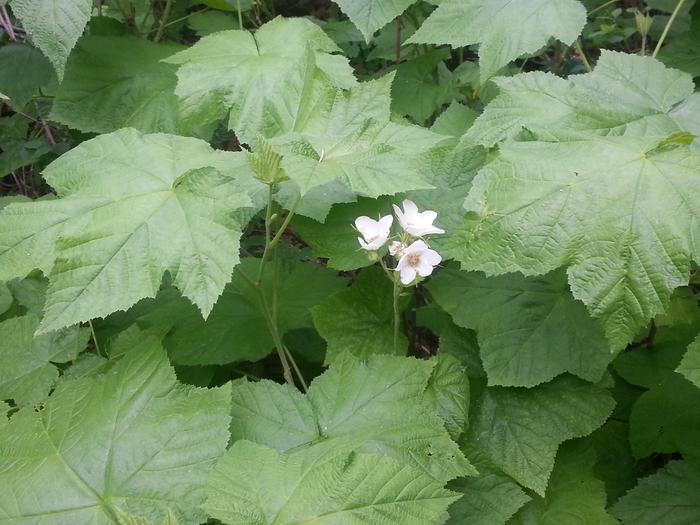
365	224
409	207
424	268
418	246
386	222
431	257
408	274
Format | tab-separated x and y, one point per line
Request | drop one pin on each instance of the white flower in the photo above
396	248
375	233
417	259
414	222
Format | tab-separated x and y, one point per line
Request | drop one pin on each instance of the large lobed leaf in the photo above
352	140
116	82
131	440
504	29
519	430
132	206
529	329
373	406
599	206
624	95
256	79
256	485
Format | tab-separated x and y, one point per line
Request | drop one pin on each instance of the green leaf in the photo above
335	239
133	439
615	465
455	120
125	518
6	298
209	22
690	365
355	142
503	29
259	79
116	82
490	498
573	495
132	207
599	205
448	390
4	412
236	329
625	95
359	320
520	430
665	419
27	372
54	26
447	168
416	92
30	71
529	329
256	485
373	406
652	361
670	496
370	15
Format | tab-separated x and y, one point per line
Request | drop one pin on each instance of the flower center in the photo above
370	240
413	259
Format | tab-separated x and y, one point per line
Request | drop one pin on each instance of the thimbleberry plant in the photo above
378	262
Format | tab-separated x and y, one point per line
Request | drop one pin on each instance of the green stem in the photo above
240	15
296	370
584	59
397	313
600	7
285	223
271	326
163	20
268	234
94	339
668	27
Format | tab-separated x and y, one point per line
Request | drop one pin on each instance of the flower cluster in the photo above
414	256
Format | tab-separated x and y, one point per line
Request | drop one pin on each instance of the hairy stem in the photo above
271	326
163	20
601	7
397	313
581	53
94	339
668	27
